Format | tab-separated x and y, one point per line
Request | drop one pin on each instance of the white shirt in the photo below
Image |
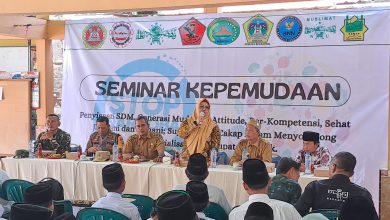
282	210
115	202
216	195
3	176
5	206
202	216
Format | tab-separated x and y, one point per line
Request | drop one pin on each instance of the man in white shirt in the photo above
197	170
114	182
255	182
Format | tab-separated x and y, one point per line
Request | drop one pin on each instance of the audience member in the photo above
311	144
53	138
199	196
21	211
259	211
284	186
40	195
255	182
255	146
114	182
175	205
332	193
145	143
358	208
103	139
197	170
4	204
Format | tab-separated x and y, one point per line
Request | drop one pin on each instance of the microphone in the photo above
201	115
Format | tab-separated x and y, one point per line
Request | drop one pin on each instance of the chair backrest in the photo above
13	189
331	214
62	206
143	203
215	211
99	214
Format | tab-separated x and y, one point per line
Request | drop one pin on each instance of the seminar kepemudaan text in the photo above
215	90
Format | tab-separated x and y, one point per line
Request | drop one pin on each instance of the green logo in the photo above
354	29
156	34
321	30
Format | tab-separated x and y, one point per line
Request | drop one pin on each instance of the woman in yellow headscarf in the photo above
200	132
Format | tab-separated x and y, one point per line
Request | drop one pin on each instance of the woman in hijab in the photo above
200	132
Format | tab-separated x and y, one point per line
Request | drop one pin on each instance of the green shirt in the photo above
284	189
59	143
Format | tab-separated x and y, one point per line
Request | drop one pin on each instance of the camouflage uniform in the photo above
59	143
105	143
284	189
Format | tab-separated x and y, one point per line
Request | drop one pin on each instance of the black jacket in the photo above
329	194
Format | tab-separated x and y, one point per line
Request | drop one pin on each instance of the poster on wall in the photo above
294	71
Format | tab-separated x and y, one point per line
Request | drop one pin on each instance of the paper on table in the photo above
1	93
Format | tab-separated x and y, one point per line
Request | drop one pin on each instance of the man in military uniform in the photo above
144	143
256	147
285	185
103	139
53	138
332	193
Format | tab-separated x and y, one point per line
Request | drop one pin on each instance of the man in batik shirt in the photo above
53	138
311	144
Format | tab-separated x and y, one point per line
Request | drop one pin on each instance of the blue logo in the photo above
289	28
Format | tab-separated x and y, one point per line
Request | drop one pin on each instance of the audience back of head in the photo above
175	205
344	162
21	211
113	178
197	167
254	174
40	195
259	211
285	164
199	194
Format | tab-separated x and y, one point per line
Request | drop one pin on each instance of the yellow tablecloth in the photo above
83	180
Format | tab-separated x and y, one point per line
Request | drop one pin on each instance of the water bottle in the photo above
307	163
214	155
31	149
115	152
244	154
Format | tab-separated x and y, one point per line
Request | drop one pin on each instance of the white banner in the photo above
323	71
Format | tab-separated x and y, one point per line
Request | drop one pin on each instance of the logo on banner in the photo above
354	29
121	34
156	34
192	32
223	31
257	30
322	29
289	28
94	35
